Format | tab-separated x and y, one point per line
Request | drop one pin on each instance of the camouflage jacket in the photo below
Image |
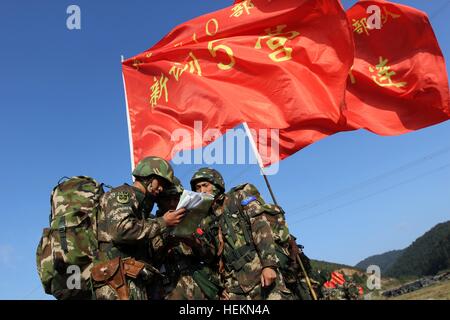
245	235
177	259
123	229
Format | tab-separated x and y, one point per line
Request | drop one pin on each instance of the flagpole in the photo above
130	137
261	167
259	159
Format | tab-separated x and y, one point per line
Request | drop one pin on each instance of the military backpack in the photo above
69	247
286	247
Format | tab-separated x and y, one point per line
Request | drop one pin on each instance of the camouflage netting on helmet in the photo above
175	189
208	174
154	166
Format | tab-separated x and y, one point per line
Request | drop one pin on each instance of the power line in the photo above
369	181
31	292
372	194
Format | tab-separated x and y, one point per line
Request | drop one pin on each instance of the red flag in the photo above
399	81
360	290
337	278
278	64
329	285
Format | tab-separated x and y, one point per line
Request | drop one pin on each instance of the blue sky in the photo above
347	197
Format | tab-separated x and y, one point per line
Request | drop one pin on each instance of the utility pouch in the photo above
111	273
209	288
132	267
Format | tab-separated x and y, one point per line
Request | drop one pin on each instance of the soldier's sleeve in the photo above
261	230
125	227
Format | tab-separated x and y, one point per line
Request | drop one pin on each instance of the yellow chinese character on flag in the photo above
388	14
360	26
136	63
277	40
158	88
239	8
178	69
384	75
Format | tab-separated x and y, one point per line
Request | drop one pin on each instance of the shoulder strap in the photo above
234	206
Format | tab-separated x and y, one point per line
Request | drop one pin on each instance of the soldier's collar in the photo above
140	196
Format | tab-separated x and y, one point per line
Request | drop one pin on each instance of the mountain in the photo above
328	266
384	260
427	255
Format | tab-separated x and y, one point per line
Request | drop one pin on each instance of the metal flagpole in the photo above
130	137
261	167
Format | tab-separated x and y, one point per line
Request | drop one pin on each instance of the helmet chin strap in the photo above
215	191
146	183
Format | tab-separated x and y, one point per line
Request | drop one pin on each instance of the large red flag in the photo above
273	64
398	82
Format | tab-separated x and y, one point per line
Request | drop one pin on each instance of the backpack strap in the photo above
244	220
237	258
62	233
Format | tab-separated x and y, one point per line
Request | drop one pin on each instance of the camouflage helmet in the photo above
211	175
177	186
154	166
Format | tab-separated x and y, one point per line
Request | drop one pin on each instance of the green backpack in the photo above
286	246
68	248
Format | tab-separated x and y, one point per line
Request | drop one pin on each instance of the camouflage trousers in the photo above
185	289
332	294
346	292
277	291
137	291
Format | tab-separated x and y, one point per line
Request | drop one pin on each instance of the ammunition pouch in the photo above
114	272
209	287
238	258
133	268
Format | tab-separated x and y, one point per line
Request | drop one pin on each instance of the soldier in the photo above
338	286
124	231
187	277
352	290
241	238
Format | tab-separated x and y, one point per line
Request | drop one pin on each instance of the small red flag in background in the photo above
329	285
398	82
360	290
272	64
337	278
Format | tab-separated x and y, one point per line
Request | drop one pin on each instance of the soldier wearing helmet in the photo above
125	230
240	238
208	180
185	272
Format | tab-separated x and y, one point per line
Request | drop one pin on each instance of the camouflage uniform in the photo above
347	290
351	290
182	266
241	236
287	250
125	229
332	294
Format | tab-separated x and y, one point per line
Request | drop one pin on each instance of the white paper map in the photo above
198	205
190	200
